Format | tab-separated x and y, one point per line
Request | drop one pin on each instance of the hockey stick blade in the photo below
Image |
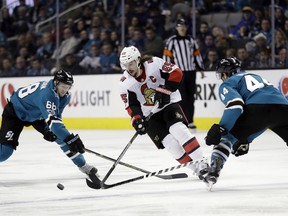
95	182
107	186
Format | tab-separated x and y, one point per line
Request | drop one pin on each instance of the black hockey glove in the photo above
162	95
49	135
139	124
214	134
75	143
240	149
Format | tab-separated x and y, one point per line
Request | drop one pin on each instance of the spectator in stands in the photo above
104	36
4	52
203	31
108	60
80	26
280	40
212	60
7	70
286	27
153	44
21	22
245	27
221	40
266	30
263	59
282	59
34	12
155	20
82	48
91	62
260	41
130	33
208	44
6	23
86	16
115	41
71	64
243	57
37	68
95	37
96	22
279	17
22	3
20	66
24	52
43	14
230	52
67	46
70	24
137	40
46	49
259	15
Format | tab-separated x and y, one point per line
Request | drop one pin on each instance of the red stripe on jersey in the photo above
176	75
191	145
184	159
129	110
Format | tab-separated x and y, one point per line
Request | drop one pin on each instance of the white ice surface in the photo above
255	184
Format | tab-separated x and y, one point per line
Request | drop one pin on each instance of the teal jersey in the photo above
243	89
38	101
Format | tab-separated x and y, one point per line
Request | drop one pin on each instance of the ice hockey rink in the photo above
254	184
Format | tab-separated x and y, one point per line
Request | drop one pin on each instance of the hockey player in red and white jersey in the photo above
148	80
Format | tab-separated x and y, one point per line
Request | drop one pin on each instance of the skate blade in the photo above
209	186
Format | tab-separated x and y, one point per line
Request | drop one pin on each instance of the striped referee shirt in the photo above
184	52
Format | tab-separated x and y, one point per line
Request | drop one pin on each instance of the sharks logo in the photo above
9	135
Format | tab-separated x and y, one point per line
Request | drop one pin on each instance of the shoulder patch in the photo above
123	78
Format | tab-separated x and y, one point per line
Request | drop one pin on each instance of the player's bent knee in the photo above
5	152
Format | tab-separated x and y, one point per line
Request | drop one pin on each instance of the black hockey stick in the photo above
173	176
107	186
128	145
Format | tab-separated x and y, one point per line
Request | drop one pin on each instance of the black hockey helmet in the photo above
228	66
64	77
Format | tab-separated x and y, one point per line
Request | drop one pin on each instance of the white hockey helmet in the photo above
129	54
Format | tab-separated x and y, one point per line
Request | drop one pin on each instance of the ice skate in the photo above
200	168
214	172
89	170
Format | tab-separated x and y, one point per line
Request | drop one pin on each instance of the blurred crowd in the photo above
90	42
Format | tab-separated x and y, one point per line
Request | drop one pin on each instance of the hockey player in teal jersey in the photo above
41	105
252	105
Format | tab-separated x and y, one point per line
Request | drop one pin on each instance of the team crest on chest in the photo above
148	94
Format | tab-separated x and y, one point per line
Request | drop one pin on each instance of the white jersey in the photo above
140	92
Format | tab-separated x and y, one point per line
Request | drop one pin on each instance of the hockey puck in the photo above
60	186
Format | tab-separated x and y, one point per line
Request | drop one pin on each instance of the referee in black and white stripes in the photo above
181	49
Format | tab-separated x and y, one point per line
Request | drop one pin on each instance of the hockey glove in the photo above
214	134
49	135
139	124
75	143
162	95
240	149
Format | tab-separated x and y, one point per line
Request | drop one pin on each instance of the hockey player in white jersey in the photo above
148	80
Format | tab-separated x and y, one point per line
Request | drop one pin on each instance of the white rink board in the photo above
97	96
